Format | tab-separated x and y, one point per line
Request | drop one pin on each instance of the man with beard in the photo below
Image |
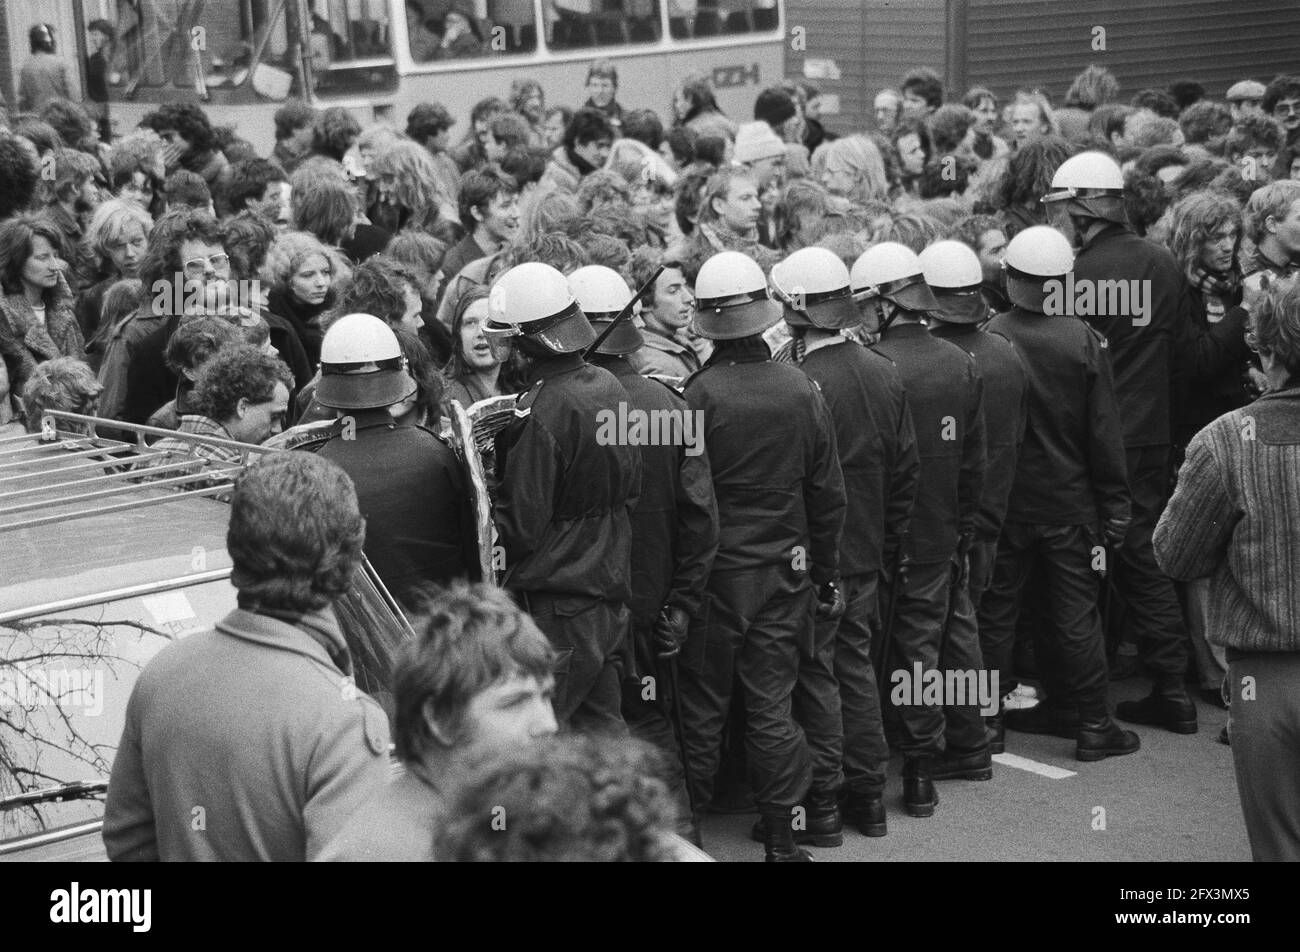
565	499
69	201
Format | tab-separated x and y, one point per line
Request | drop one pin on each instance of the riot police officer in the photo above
674	525
1140	302
411	487
953	272
837	698
565	498
780	494
945	397
1069	496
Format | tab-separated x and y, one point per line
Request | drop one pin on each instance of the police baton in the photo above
897	584
626	312
679	735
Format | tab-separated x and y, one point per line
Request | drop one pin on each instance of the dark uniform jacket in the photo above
675	523
944	393
565	501
877	450
1071	468
413	494
1144	357
776	473
1003	377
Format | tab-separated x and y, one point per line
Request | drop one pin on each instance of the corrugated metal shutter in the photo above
872	44
1011	44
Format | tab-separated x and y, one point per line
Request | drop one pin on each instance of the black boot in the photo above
997	734
1099	739
1045	718
866	811
1167	706
778	841
919	795
959	764
821	823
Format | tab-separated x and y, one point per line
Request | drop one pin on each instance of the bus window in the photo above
439	31
578	24
185	43
350	46
709	18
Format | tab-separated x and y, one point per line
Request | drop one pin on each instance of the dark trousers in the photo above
588	637
1265	733
963	712
757	621
920	611
1071	653
817	705
1154	615
648	711
866	753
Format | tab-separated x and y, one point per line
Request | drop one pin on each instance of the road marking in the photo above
1033	766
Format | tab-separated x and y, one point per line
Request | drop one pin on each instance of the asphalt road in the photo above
1173	800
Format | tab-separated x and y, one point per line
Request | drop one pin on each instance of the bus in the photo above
241	59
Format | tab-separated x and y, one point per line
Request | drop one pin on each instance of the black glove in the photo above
670	631
830	601
1115	530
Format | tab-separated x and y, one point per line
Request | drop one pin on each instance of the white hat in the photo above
756	141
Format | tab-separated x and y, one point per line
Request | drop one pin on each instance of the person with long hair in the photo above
118	237
853	168
696	108
37	322
478	367
471	151
407	181
302	273
1031	119
44	76
1027	178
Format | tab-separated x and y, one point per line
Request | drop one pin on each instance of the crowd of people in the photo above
910	428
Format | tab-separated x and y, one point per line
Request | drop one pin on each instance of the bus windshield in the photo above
209	45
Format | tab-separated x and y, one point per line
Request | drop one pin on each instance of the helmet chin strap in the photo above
880	314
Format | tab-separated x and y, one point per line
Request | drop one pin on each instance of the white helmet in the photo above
361	365
951	266
953	272
1092	184
602	293
1039	252
534	300
732	298
892	272
813	286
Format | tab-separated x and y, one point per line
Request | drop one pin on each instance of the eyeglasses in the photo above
1287	108
198	267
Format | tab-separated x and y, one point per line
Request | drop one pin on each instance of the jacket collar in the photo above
315	635
658	341
747	350
546	367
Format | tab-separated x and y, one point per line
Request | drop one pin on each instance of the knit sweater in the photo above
1235	517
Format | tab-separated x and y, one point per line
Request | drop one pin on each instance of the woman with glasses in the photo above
37	322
